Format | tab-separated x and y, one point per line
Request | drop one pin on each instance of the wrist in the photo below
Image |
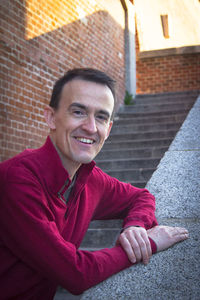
153	245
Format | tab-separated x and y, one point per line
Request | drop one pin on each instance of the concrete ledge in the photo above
174	273
170	51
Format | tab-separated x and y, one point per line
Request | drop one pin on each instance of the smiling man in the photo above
50	195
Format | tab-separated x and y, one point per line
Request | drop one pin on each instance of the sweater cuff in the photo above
153	246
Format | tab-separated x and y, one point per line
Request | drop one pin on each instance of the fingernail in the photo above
133	260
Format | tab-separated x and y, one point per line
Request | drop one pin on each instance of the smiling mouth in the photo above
85	141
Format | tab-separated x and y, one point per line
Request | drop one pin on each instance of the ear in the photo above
49	114
109	129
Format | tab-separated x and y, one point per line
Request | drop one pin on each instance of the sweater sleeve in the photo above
123	201
29	231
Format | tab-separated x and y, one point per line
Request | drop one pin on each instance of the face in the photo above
81	124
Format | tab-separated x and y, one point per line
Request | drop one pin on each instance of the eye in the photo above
78	112
102	118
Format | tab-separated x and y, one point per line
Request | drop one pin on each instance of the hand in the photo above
166	236
135	242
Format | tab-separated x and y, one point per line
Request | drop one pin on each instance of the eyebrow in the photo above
76	104
102	111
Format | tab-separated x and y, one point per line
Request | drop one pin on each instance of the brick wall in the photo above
40	41
170	73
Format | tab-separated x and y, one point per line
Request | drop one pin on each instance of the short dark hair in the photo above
88	74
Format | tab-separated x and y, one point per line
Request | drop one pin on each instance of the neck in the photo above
71	168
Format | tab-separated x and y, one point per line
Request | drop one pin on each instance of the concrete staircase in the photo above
139	138
142	134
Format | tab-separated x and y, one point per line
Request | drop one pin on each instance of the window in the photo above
165	27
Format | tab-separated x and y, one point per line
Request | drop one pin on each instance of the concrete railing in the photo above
174	273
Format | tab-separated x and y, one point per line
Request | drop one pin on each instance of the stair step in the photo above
128	175
131	153
111	164
86	248
189	96
148	108
156	101
101	237
139	184
142	135
128	144
115	223
117	129
149	115
153	120
143	101
63	294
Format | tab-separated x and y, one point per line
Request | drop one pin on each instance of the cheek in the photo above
63	124
104	133
59	124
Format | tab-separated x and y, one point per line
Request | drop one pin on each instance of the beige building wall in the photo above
183	23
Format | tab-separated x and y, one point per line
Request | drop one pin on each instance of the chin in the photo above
85	160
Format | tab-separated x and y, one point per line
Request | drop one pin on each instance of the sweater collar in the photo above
53	171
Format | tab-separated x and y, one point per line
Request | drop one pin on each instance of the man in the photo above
50	195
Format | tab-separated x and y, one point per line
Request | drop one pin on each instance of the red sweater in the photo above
40	234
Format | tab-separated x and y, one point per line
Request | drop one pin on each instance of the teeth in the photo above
86	141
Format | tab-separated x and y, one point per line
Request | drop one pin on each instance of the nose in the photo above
89	125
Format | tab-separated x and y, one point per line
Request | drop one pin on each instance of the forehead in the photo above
88	93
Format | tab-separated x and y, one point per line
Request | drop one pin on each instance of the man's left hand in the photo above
136	244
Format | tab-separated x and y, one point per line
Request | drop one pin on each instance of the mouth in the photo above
85	140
